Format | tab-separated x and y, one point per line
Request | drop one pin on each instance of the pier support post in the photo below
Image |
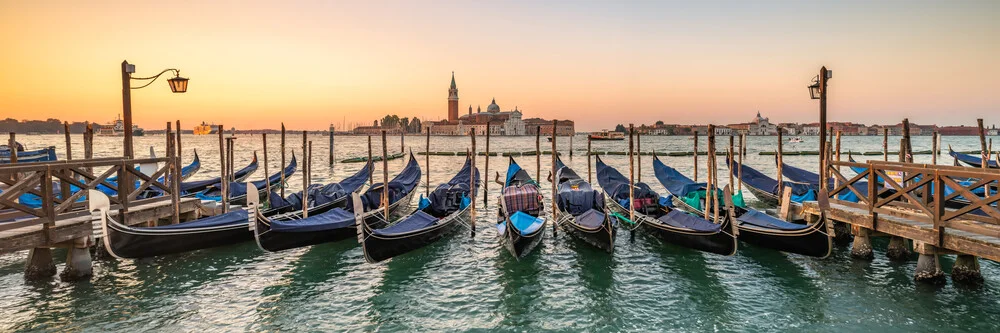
928	266
898	249
862	247
39	265
79	265
842	234
966	270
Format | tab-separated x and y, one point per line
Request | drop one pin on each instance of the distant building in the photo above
494	120
757	126
958	130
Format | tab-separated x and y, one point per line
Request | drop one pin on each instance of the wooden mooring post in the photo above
385	179
267	184
696	155
555	156
487	166
590	178
282	187
305	173
472	184
638	157
427	162
538	153
631	173
371	175
224	183
885	144
780	162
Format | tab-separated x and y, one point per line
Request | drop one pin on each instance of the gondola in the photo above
191	169
126	242
766	188
653	214
194	187
40	155
972	161
238	191
755	227
582	210
339	222
320	198
519	223
444	211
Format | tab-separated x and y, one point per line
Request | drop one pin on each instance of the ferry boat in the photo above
117	128
204	129
606	135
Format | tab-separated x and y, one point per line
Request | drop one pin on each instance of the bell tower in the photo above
453	100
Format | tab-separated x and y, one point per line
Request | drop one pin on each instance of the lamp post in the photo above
177	84
817	90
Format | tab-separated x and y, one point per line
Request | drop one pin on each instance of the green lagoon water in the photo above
471	284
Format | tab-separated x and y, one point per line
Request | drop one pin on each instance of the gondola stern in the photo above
98	201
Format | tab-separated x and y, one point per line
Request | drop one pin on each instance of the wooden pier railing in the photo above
938	200
47	179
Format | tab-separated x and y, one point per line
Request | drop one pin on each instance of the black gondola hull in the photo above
379	248
519	245
719	242
813	241
134	245
602	238
274	241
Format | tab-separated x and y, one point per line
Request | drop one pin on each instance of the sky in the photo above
309	64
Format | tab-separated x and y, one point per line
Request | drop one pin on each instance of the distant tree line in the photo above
48	126
407	124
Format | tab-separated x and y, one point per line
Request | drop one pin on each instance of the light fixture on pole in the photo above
814	88
177	84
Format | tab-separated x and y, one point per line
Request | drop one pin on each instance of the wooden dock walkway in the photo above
905	205
63	220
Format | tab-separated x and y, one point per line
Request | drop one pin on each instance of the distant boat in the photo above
117	128
606	135
204	129
795	140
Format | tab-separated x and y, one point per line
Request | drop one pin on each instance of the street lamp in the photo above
817	90
814	89
177	84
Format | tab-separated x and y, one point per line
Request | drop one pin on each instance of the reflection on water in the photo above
463	283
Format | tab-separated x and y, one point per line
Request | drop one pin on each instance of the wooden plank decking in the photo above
897	223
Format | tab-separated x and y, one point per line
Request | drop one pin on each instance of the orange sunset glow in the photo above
312	63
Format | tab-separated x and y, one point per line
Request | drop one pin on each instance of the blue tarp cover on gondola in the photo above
680	219
337	218
320	195
800	192
763	220
445	200
525	223
617	186
333	219
416	221
578	197
399	187
592	219
238	217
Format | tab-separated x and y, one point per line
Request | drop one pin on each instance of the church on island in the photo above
493	120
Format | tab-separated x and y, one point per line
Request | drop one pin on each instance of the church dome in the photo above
493	107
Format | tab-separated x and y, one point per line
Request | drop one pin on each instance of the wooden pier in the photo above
63	219
905	204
